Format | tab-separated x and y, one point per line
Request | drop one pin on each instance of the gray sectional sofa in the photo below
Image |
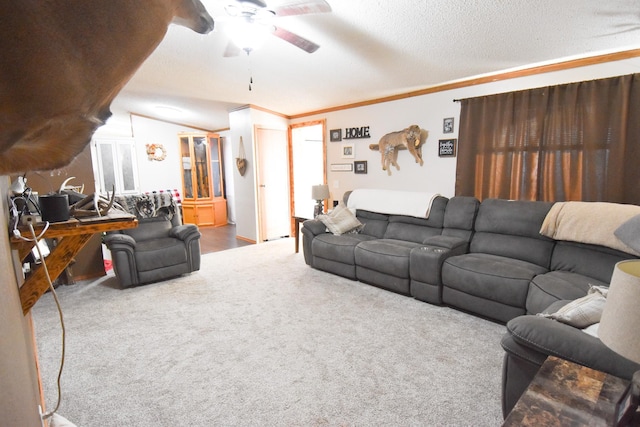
485	258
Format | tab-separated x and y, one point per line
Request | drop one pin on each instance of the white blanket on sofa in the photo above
589	222
392	202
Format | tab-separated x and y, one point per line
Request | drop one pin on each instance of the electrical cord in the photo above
55	298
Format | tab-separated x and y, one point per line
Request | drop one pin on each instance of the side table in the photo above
567	394
298	220
72	235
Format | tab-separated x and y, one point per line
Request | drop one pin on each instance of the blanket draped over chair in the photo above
589	222
150	205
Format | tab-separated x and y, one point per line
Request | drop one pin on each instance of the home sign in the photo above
356	133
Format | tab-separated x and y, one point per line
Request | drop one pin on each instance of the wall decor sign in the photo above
335	135
360	166
447	125
156	152
447	147
357	133
341	167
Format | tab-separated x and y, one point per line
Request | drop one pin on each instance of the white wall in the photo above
437	174
19	392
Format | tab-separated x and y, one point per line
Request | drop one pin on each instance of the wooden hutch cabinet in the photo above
203	201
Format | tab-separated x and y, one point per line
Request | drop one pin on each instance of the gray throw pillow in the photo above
629	233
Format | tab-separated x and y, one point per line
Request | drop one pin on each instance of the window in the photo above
578	141
115	166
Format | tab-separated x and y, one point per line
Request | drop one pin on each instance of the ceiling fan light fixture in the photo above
248	35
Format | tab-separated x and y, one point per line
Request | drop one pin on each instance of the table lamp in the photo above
620	329
319	193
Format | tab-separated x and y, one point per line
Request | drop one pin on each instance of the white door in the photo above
274	218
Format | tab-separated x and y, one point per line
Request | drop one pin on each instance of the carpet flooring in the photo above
258	338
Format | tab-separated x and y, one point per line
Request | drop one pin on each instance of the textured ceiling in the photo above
370	49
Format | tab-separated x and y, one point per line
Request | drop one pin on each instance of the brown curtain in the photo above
579	141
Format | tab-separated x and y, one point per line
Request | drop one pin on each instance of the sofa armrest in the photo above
115	241
426	261
530	339
538	337
185	232
314	226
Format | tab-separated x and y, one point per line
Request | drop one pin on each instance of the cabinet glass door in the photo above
216	170
201	160
186	168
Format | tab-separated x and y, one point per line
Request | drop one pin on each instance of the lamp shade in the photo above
620	323
320	192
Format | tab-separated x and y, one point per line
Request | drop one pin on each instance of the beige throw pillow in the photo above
584	311
340	220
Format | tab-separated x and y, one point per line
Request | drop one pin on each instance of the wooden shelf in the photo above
72	235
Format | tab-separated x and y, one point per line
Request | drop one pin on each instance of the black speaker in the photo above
54	207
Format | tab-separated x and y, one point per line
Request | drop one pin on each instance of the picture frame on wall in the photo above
335	135
360	166
348	151
447	147
447	125
341	167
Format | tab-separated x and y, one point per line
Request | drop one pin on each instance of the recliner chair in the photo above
157	249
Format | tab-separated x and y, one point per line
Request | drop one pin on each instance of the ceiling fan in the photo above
250	21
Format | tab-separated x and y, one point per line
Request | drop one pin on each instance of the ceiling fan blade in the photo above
256	3
296	40
302	7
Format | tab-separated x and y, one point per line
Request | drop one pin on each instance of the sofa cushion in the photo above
553	286
410	229
160	253
150	228
512	229
501	279
589	260
337	248
460	216
374	224
386	256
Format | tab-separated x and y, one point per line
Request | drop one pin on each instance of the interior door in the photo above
273	183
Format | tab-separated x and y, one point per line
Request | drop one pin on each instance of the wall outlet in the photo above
28	219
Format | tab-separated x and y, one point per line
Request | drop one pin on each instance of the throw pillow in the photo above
340	220
629	233
584	311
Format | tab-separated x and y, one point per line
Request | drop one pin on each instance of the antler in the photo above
93	205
